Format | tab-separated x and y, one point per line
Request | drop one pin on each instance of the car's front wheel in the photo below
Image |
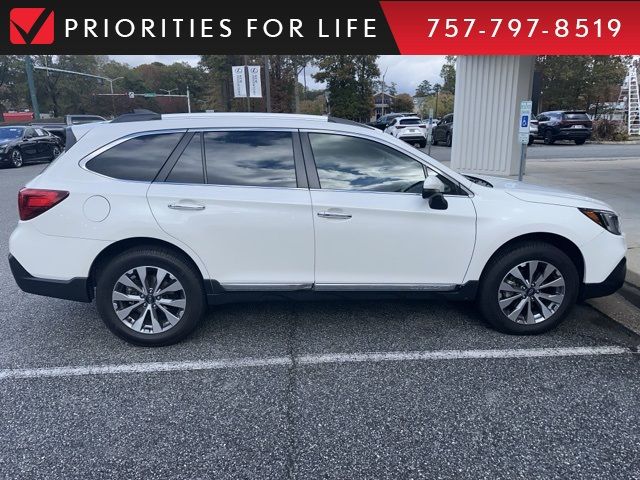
528	289
150	296
55	152
449	139
580	141
548	138
16	159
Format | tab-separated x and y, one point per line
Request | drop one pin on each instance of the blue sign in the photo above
525	121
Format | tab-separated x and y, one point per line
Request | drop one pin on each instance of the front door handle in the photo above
186	206
339	216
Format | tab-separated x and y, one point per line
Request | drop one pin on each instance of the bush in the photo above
609	130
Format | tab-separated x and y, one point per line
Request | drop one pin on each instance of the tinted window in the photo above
29	133
350	163
259	159
410	121
40	133
138	158
189	167
576	116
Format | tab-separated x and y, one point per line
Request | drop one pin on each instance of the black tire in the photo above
178	266
580	141
499	267
548	138
530	140
449	139
423	144
434	142
55	152
16	160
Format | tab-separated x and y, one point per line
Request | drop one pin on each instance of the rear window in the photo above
410	121
575	116
139	158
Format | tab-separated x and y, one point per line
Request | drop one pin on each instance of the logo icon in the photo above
31	26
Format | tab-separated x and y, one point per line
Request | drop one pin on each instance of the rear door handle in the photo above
186	206
339	216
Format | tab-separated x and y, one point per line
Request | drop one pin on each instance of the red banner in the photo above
515	28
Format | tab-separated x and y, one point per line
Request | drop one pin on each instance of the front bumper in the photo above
76	289
610	285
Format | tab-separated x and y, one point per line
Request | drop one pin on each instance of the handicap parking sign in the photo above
525	121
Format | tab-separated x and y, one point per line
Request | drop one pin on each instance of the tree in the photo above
424	89
442	104
403	103
578	82
448	74
350	80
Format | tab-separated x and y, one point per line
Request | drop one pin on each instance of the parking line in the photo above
331	358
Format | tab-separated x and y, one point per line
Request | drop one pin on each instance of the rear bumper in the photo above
76	289
413	138
572	134
610	285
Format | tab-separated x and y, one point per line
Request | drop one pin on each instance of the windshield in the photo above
10	133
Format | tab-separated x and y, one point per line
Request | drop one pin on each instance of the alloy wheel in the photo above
56	152
16	158
149	299
531	292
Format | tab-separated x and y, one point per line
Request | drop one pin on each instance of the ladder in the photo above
629	102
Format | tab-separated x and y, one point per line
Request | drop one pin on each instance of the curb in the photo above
632	279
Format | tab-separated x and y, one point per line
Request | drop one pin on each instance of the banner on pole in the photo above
239	82
255	82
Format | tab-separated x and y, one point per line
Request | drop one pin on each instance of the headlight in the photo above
607	220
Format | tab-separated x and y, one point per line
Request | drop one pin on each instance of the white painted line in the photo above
337	358
461	354
151	367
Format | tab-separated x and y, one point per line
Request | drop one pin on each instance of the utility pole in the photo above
246	81
188	100
28	65
383	104
267	82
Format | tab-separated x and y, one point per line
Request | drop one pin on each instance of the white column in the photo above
486	108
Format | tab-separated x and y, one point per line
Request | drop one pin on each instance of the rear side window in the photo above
189	167
139	158
245	158
576	116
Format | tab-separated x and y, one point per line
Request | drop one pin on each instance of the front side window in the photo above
351	163
250	158
139	158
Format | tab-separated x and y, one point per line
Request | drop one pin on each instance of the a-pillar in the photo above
486	111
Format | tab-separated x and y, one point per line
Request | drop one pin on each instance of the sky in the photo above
406	70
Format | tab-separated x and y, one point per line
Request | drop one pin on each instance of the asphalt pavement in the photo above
341	389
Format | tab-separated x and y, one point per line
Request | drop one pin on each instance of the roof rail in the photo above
344	121
137	115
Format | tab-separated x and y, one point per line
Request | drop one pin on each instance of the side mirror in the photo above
432	186
432	189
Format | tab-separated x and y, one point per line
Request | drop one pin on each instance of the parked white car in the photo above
156	218
410	129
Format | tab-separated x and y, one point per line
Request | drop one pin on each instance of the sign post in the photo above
430	130
523	133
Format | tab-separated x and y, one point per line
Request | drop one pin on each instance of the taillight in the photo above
34	201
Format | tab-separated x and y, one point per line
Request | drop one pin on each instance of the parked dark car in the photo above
564	125
443	132
58	128
20	144
383	122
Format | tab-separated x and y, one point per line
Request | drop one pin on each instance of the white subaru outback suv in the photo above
157	217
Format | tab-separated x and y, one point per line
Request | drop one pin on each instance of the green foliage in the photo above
442	104
403	103
448	74
424	89
578	82
350	81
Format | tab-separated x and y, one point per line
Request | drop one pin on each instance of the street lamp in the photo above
111	80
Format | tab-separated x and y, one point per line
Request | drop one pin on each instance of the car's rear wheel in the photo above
548	138
16	159
423	144
528	289
580	141
150	296
530	142
449	139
